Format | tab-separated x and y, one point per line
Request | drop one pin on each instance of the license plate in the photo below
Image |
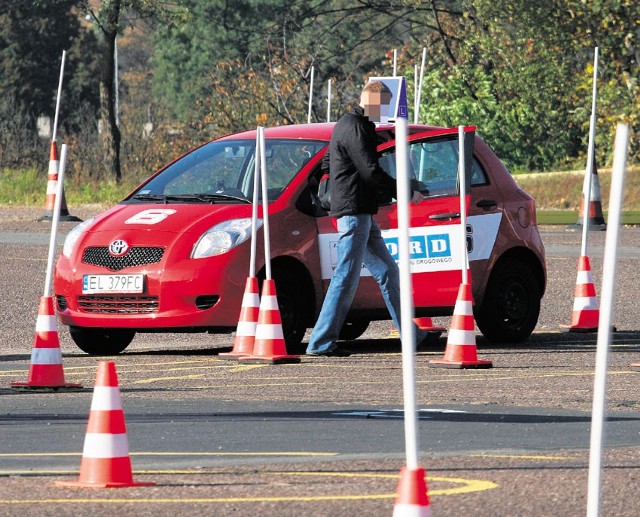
92	284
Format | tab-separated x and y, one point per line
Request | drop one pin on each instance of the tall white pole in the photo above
424	57
55	119
407	330
590	159
463	202
329	101
604	322
116	81
310	96
54	222
265	204
395	62
415	94
254	208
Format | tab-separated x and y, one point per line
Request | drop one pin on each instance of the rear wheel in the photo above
511	303
99	341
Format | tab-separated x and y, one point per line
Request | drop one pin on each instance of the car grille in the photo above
136	256
118	304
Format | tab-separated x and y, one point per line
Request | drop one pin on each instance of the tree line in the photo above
192	70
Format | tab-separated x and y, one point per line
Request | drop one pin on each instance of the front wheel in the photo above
511	303
101	341
292	303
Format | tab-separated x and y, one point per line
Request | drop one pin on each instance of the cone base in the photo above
232	356
80	484
582	330
25	386
442	363
599	227
63	217
275	359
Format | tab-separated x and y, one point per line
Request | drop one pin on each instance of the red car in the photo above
174	255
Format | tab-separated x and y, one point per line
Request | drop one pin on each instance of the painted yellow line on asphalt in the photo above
523	456
165	453
466	486
174	378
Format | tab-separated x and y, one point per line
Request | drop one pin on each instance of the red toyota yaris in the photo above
174	255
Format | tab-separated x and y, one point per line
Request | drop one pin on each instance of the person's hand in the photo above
417	197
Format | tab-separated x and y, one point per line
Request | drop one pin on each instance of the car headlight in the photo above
73	236
223	237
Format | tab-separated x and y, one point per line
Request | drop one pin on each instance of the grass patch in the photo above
558	195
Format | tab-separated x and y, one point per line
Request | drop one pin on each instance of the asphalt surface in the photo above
325	437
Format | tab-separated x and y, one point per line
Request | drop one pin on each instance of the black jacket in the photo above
357	180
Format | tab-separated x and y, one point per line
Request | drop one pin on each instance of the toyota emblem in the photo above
118	248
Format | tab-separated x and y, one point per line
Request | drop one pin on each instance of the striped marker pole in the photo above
269	346
105	457
46	372
586	310
247	323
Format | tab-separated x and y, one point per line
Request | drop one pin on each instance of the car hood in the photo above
159	224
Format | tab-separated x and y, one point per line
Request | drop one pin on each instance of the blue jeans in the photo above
360	243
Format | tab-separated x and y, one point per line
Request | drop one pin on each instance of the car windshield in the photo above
222	172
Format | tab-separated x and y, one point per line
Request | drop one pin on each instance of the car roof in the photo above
320	131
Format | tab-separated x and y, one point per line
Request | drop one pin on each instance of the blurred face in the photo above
375	105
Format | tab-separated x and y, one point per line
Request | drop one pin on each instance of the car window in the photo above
435	163
227	167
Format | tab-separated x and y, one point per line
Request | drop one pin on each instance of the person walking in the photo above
357	184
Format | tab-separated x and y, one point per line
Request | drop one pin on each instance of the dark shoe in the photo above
334	352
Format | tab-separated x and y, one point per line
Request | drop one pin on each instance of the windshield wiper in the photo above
221	197
150	197
203	198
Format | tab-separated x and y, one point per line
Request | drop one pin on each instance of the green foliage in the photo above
32	38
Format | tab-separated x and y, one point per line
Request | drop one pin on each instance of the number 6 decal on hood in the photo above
152	216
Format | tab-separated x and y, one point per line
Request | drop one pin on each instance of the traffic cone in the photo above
595	217
412	499
46	372
105	457
586	311
424	323
635	366
52	187
461	350
247	323
269	346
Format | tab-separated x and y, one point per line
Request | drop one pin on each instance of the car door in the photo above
436	252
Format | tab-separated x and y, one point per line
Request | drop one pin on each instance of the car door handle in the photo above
486	204
445	217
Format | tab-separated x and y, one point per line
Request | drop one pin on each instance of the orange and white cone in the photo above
247	322
635	366
46	372
52	188
269	346
594	215
586	310
461	350
105	457
412	499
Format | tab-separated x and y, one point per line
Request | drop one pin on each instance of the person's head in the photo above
375	95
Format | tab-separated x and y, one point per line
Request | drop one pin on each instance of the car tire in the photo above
511	303
101	341
353	329
291	303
